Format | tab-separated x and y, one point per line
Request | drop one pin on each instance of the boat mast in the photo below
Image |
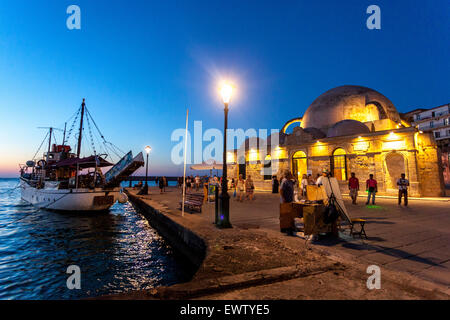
81	129
49	142
64	136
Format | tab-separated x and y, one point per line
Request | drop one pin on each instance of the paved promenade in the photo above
254	260
413	239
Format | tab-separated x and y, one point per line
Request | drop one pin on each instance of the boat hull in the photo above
69	199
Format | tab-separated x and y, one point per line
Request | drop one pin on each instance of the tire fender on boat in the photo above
123	198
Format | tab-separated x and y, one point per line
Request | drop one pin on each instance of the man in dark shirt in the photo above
402	184
287	188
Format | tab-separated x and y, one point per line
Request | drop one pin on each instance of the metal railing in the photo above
436	115
434	126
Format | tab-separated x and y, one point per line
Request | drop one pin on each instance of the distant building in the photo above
437	121
346	129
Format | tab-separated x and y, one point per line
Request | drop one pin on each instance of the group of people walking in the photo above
372	188
161	182
192	182
299	188
243	189
291	189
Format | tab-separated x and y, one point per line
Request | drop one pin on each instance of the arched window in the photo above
299	164
267	168
339	164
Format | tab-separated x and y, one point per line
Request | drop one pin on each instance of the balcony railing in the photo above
442	136
436	115
434	126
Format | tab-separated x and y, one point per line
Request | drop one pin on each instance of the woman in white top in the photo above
296	188
304	184
240	188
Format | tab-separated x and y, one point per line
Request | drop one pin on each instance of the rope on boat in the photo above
73	123
45	138
90	134
112	147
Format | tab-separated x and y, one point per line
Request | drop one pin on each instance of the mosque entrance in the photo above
395	165
299	165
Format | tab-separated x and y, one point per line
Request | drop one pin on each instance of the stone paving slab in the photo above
436	273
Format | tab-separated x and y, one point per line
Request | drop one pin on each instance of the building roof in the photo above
348	103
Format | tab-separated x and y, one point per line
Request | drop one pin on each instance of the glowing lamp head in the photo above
226	91
148	149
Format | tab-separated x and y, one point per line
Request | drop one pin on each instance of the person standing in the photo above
353	186
233	187
287	196
188	183
304	184
165	183
249	187
240	188
402	184
275	184
197	182
287	188
296	187
161	184
318	176
324	175
372	189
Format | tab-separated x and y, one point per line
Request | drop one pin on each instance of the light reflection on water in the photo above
116	251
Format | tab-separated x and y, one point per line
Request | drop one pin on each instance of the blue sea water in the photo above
116	251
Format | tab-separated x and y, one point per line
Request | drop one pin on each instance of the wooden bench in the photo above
193	201
362	232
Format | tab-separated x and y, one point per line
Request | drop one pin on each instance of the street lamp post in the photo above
145	188
224	221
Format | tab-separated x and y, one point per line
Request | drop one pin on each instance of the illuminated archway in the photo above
339	164
289	123
395	165
299	164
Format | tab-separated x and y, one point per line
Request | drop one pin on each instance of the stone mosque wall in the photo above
361	126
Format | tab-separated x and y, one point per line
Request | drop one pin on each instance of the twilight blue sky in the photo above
140	64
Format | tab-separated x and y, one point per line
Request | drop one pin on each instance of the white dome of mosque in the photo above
348	103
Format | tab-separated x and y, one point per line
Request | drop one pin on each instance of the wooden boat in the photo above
63	181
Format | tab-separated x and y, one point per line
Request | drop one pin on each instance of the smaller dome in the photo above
347	128
315	133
